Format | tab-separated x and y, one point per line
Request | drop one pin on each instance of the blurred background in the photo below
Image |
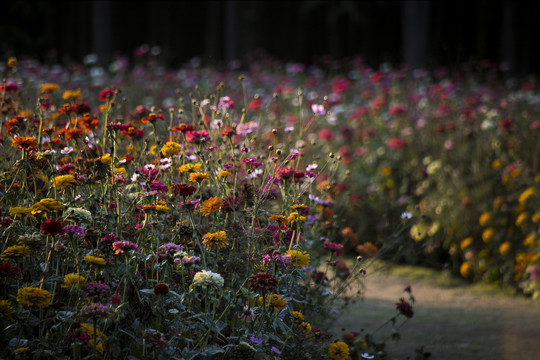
423	34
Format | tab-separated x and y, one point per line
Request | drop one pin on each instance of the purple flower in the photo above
256	340
159	187
73	229
276	350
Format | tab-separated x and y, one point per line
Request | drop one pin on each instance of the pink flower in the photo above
121	246
395	143
337	248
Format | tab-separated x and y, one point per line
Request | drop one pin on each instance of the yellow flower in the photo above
106	159
162	208
297	315
418	231
295	217
465	269
15	251
224	174
484	218
526	195
299	258
120	170
72	94
338	350
386	171
6	309
189	167
498	202
63	181
95	337
488	234
47	205
215	241
496	164
12	61
21	350
306	326
529	241
211	205
465	243
73	280
280	218
198	177
49	88
276	301
521	218
98	260
505	247
33	296
171	148
536	217
299	206
20	211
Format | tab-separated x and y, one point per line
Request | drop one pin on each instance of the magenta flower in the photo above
120	246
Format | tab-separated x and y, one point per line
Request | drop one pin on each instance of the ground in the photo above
453	319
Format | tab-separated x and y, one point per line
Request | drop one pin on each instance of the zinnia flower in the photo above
190	167
198	177
526	195
97	260
73	280
171	148
263	283
215	241
183	190
49	88
7	270
298	258
6	309
161	289
51	227
15	251
211	205
95	337
20	211
196	137
95	310
106	94
121	246
25	143
207	278
33	296
63	181
338	350
405	308
47	205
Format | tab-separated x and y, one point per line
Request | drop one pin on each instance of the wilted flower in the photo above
405	308
248	314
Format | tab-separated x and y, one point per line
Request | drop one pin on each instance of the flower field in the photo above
199	213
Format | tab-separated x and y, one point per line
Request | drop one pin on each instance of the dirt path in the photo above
452	320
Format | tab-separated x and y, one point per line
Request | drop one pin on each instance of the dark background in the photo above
424	34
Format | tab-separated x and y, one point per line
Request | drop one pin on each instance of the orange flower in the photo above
25	142
211	205
198	177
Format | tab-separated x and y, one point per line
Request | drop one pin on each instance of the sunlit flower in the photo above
198	177
49	88
15	251
465	269
190	167
63	181
338	350
33	296
171	148
484	218
73	280
19	211
25	142
211	205
47	205
299	258
525	195
215	241
72	95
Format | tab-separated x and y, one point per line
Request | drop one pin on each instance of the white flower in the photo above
79	215
207	278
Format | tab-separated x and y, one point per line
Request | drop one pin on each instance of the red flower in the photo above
255	104
106	94
405	308
263	283
7	270
6	222
161	289
51	227
183	190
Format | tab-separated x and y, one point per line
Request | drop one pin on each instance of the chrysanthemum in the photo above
33	296
211	205
25	142
189	167
338	350
97	260
47	205
73	280
298	258
215	241
171	148
15	251
198	177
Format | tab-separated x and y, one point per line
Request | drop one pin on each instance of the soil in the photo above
452	318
